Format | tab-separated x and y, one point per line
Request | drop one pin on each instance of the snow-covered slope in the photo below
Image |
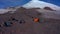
9	9
40	4
2	11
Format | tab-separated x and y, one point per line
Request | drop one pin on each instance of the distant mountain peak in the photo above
40	4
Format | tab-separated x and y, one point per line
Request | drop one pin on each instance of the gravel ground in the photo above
44	26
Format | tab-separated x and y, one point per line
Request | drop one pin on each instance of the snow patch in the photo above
2	11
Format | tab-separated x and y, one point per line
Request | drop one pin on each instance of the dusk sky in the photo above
7	3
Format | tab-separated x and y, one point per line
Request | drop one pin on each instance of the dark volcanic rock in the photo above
21	21
7	24
48	8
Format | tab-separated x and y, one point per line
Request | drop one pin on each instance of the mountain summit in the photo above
40	4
